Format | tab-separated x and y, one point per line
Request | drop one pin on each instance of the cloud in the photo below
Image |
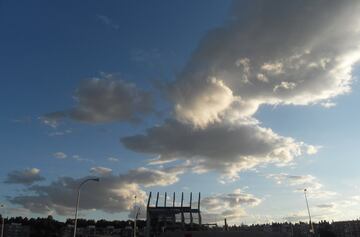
27	176
80	159
15	211
328	104
160	161
107	21
114	193
52	119
149	177
112	159
146	56
283	52
297	216
99	170
225	147
23	120
231	206
106	99
326	206
300	182
215	97
343	208
266	53
60	155
295	180
60	133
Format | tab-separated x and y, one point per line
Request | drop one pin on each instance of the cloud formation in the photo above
226	147
60	155
267	53
114	193
108	21
60	133
231	206
343	208
113	159
283	52
26	177
99	170
314	188
106	99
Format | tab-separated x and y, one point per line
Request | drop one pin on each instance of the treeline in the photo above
322	228
49	227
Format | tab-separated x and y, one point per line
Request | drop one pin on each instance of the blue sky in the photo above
251	110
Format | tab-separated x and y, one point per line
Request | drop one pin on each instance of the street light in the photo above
135	216
78	200
307	205
2	221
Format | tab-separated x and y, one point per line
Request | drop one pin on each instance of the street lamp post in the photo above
135	216
307	205
78	200
2	221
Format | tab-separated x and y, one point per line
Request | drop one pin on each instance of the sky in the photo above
248	102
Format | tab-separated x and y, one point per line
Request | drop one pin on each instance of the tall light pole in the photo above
2	221
307	205
135	216
78	200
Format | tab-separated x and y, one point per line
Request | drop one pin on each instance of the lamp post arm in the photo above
78	200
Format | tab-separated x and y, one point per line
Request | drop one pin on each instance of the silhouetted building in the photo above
171	218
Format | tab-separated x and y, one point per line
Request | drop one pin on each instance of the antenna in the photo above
199	201
148	204
157	199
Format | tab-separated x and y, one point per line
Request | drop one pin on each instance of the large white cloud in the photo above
114	193
282	52
227	147
106	99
